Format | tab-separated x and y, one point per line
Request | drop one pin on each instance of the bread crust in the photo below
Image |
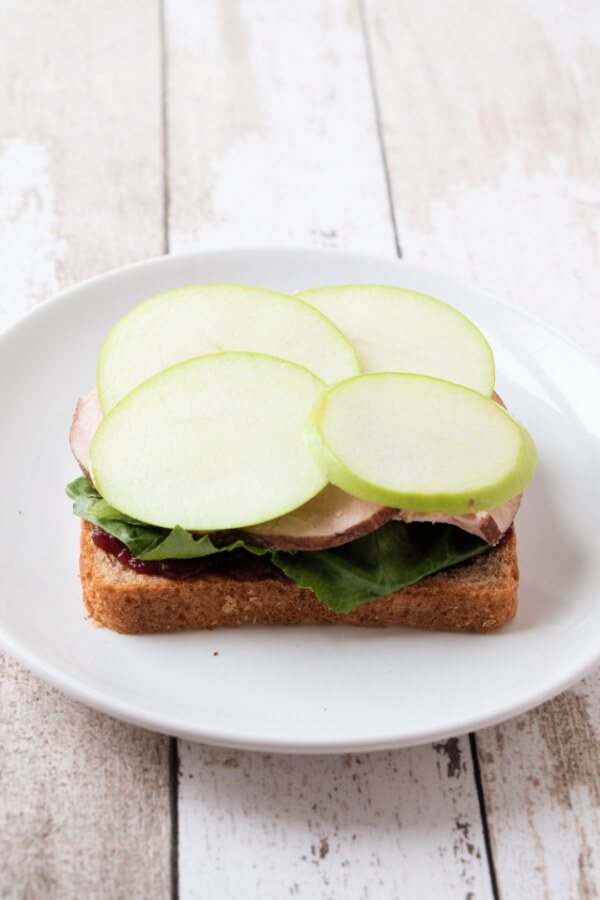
478	595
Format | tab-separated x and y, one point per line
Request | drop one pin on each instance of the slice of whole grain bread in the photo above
478	595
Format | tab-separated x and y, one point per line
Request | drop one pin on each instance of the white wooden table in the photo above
464	135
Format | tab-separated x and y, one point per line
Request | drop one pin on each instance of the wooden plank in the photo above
395	824
271	128
542	781
273	139
572	29
84	800
81	143
494	171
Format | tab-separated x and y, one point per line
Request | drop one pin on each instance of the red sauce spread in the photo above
239	564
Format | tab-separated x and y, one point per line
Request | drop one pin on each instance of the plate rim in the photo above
125	712
170	259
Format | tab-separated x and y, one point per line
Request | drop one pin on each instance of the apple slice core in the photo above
397	330
419	443
211	443
211	318
331	518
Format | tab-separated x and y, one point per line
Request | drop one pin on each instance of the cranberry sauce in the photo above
239	564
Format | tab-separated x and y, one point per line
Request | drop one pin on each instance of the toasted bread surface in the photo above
478	595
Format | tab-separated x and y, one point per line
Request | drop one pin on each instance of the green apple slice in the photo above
419	443
211	443
193	321
397	330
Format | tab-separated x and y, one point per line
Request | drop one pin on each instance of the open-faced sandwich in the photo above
335	456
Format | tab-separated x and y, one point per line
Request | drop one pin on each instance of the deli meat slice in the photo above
489	524
331	518
88	415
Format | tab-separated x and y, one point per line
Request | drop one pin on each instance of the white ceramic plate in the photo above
298	689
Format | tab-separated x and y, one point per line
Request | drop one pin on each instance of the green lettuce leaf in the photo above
148	542
343	577
395	555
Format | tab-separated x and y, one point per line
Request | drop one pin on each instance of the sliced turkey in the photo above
88	415
329	519
489	524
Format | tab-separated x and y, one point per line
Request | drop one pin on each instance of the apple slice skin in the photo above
398	330
214	443
469	499
189	322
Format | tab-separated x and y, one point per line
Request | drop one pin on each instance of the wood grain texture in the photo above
542	781
80	143
273	138
494	170
379	825
84	800
271	126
